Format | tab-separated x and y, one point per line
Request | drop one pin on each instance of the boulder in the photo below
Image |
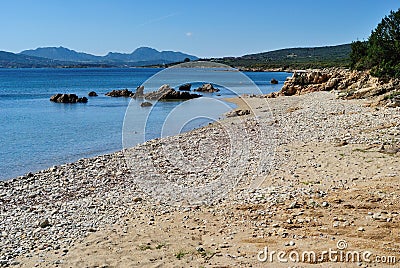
185	87
120	93
67	98
146	104
332	83
274	81
139	92
209	88
92	94
165	92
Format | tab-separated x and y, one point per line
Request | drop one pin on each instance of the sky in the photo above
203	28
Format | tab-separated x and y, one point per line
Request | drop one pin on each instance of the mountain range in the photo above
288	58
64	57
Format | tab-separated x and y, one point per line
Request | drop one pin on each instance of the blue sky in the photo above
204	28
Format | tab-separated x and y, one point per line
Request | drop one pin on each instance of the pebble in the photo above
58	207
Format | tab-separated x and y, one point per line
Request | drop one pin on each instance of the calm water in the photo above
36	133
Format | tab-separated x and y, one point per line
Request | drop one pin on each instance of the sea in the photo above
37	134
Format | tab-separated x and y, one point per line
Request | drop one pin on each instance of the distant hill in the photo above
293	58
140	55
61	54
11	60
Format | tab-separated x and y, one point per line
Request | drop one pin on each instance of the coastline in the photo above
70	215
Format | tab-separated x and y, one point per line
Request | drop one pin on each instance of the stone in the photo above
139	92
92	94
137	199
209	88
120	93
239	112
67	98
146	104
332	83
44	224
274	81
165	92
185	87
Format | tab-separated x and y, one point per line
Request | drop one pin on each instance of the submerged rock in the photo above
274	81
146	104
67	98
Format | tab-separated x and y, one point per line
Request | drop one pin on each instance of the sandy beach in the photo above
300	173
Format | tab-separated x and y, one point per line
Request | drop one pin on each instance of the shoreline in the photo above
65	214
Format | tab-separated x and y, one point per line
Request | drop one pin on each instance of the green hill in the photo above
293	58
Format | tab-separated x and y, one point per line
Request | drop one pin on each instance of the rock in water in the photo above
165	92
139	92
207	88
67	98
120	93
185	87
92	94
146	104
274	81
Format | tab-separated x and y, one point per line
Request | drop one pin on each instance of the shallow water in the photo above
36	133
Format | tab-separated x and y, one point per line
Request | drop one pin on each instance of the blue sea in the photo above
37	134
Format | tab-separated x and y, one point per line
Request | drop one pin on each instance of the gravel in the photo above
55	208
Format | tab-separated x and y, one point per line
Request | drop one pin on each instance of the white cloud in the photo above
189	34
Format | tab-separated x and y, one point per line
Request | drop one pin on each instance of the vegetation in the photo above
293	58
180	254
381	53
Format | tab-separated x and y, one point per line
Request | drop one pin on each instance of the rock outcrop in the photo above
139	92
185	87
165	92
348	84
92	94
120	93
68	98
209	88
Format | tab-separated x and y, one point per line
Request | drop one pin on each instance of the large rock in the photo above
67	98
120	93
207	88
185	87
139	92
165	92
92	94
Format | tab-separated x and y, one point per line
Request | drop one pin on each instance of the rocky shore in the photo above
298	172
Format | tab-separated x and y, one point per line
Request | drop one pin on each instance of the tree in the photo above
381	53
358	54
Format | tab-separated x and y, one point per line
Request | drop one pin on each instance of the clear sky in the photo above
201	27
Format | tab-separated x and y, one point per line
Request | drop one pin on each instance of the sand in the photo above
331	183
